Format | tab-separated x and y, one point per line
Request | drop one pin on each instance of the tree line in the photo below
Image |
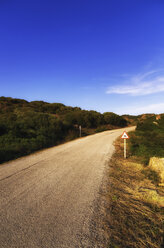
29	126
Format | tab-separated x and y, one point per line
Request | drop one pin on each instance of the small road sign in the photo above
124	136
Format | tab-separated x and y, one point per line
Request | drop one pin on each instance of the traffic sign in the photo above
124	135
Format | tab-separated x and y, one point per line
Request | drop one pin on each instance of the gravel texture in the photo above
48	199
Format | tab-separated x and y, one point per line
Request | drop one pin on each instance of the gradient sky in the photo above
105	55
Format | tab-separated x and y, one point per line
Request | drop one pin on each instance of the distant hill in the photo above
135	119
131	119
29	126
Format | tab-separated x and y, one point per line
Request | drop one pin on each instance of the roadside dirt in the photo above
135	208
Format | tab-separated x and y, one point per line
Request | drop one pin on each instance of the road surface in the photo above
47	198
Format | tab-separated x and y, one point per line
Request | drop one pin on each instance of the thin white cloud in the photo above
156	108
139	85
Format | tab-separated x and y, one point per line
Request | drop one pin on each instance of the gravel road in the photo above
47	198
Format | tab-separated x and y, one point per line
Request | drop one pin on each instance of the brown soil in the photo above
135	213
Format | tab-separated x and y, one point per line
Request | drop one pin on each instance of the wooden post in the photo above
124	136
124	148
80	131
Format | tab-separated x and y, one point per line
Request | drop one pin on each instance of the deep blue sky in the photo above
106	55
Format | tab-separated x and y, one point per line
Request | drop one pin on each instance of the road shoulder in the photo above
134	205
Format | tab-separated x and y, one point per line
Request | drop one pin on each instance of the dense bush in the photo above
28	126
113	119
148	139
23	133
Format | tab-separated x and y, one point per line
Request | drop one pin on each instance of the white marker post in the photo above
80	131
125	137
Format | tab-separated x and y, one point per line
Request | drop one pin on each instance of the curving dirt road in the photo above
47	198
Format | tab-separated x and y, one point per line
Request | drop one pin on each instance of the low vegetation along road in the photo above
47	198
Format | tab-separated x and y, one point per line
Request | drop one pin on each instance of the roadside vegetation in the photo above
148	139
135	195
26	127
135	209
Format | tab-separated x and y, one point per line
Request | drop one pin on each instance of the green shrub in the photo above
148	139
29	126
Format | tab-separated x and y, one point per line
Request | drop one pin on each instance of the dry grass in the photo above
135	205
